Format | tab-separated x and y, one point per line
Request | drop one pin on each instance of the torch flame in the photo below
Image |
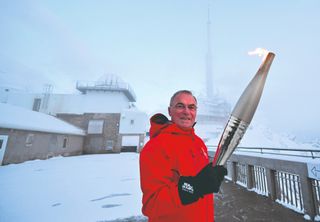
260	52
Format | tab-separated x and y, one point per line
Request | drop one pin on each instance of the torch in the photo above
243	112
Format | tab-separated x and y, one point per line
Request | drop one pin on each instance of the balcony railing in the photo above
283	179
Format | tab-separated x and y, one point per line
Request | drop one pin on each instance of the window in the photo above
109	145
132	121
1	142
29	139
65	142
95	127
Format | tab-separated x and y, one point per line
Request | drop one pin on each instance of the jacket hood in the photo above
157	123
160	123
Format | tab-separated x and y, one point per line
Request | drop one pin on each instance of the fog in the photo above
159	47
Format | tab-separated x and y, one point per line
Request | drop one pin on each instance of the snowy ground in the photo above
82	188
96	188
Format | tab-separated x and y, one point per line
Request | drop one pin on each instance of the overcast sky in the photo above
159	47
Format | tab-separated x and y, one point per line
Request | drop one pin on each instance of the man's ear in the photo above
169	110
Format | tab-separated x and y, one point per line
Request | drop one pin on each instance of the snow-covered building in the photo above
104	109
132	125
27	135
108	95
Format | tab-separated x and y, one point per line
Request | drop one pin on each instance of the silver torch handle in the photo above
230	139
242	113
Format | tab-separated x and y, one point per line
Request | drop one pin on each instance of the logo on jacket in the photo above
187	187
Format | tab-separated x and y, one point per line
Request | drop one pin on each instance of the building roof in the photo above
13	117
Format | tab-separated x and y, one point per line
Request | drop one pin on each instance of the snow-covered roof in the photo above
13	117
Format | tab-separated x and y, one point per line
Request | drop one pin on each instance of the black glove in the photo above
208	180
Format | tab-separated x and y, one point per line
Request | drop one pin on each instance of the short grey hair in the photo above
184	91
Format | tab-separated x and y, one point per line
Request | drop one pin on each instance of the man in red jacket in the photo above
177	180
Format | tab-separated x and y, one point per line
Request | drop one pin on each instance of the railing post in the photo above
307	194
249	176
234	171
271	182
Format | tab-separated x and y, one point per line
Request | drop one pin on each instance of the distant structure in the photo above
213	110
111	83
104	109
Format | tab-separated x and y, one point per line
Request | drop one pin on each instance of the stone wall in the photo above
26	145
101	142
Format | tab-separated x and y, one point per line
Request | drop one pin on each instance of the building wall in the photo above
78	120
108	141
21	146
133	122
17	98
94	102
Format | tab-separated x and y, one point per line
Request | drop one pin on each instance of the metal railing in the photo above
260	180
310	153
242	174
316	193
283	180
289	190
107	86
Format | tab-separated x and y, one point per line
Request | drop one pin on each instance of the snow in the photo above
261	136
258	135
13	117
98	187
290	207
80	188
307	217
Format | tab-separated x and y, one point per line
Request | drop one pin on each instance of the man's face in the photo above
183	110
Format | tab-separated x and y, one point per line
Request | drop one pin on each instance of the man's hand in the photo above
208	180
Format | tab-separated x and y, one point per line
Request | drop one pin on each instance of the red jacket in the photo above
172	152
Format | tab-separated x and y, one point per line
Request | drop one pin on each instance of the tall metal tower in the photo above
209	77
